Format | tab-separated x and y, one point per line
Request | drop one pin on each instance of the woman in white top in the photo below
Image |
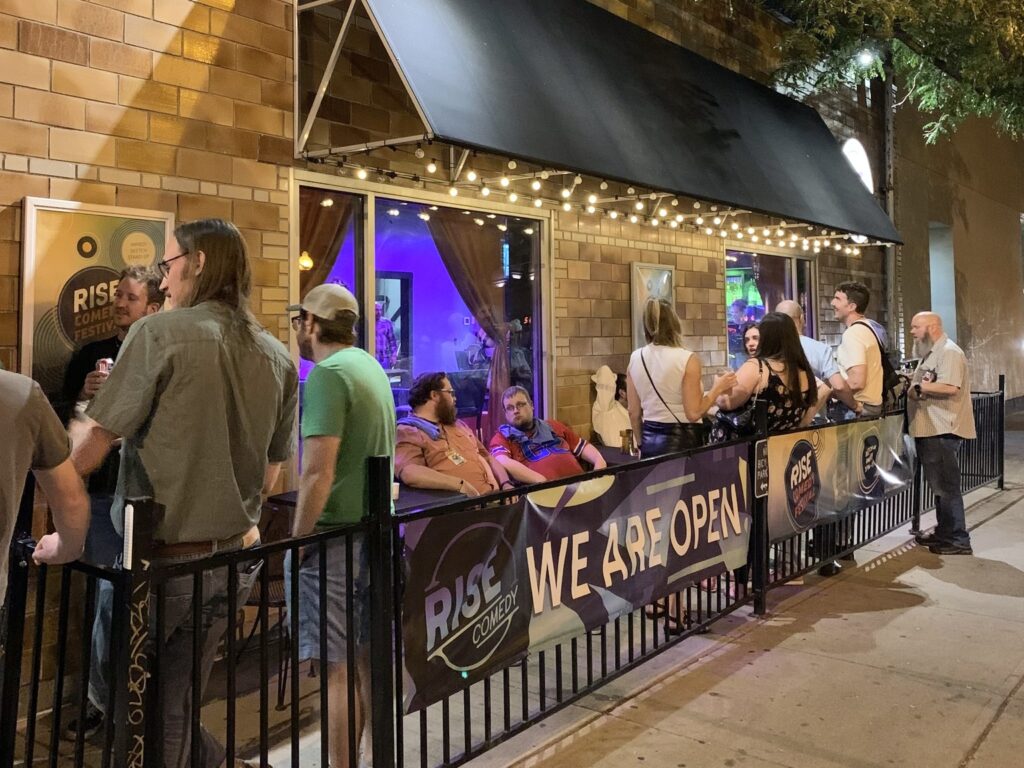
663	386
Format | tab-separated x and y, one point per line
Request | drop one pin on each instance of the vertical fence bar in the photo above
382	612
759	524
13	645
1001	433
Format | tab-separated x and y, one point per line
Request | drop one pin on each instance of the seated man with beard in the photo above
537	450
434	450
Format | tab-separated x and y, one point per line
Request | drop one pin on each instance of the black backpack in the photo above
894	385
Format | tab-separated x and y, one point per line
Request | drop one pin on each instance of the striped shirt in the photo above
932	416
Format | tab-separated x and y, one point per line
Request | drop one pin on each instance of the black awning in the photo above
569	85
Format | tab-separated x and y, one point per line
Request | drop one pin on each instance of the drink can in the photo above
104	365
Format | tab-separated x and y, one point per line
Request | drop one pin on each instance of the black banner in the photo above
484	587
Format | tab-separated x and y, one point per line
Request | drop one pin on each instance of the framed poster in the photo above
71	262
649	280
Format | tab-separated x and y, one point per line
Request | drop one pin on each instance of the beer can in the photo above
104	365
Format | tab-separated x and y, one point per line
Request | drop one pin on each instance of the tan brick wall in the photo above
165	104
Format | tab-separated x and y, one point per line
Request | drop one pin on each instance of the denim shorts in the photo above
339	626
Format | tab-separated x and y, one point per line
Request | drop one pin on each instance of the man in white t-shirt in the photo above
860	354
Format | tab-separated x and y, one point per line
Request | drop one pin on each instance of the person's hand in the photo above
468	489
93	381
50	550
724	382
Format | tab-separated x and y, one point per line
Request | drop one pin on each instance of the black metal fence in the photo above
202	652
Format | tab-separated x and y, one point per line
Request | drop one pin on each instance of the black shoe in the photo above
91	723
928	539
830	569
950	549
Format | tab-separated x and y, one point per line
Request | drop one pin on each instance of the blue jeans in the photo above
103	546
942	471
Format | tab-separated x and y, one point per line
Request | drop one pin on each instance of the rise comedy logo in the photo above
803	484
473	598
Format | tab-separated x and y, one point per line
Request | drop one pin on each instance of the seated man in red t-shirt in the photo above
534	450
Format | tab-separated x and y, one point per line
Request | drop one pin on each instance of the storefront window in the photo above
754	284
456	291
330	236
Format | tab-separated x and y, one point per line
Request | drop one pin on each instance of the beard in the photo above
922	348
446	412
306	348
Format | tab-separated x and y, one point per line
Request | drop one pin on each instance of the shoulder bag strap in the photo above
648	372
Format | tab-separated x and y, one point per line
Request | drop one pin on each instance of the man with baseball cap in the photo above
348	415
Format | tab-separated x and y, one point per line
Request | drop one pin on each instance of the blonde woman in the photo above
663	386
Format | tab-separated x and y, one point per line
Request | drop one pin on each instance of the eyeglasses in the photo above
446	391
513	407
164	266
296	322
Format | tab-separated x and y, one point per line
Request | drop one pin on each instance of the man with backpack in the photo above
861	353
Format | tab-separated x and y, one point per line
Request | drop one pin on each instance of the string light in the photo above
502	228
696	205
654	222
679	218
392	212
471	175
674	224
420	154
739	235
485	191
592	199
537	202
754	238
721	233
566	207
511	165
544	175
604	185
699	220
630	191
734	226
675	202
613	215
513	197
663	212
566	192
577	180
453	191
709	231
765	232
327	202
361	174
432	166
750	230
632	218
717	220
535	185
478	222
305	261
424	215
503	181
591	209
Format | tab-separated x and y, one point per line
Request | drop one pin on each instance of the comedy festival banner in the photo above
822	474
484	587
72	257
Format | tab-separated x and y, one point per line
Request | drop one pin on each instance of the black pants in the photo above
659	438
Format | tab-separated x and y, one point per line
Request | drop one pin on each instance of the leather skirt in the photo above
659	438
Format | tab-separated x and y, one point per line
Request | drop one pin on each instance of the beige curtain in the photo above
472	256
321	233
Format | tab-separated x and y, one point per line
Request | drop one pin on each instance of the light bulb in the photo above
675	202
779	233
535	185
638	205
654	222
613	214
768	241
392	211
663	212
826	243
680	217
709	231
604	185
755	238
502	228
577	179
432	166
511	165
735	226
838	247
653	195
528	231
537	202
806	247
361	174
504	181
478	222
305	262
717	220
739	235
544	175
632	218
453	191
765	232
696	205
750	230
630	191
327	202
485	191
721	233
592	199
424	215
591	209
566	192
674	224
699	220
566	207
420	154
513	197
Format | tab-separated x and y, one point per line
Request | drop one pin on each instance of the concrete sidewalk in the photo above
907	659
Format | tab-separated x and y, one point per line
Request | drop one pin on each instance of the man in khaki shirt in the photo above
941	415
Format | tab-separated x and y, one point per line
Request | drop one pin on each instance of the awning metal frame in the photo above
302	135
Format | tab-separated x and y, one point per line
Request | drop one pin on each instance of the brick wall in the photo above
170	105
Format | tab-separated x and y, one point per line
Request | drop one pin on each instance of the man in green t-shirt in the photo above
348	416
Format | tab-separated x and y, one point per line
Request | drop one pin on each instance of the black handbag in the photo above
742	421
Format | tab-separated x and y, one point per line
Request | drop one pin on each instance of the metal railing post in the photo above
759	523
131	656
13	646
382	612
1001	437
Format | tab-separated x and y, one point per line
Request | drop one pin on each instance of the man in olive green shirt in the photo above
348	416
205	402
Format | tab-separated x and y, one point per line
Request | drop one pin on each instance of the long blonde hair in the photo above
661	323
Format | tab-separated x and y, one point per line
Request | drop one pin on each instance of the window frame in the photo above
370	191
811	312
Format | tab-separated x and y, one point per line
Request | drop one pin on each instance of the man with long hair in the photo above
205	402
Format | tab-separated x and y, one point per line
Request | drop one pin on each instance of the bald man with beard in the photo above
939	407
